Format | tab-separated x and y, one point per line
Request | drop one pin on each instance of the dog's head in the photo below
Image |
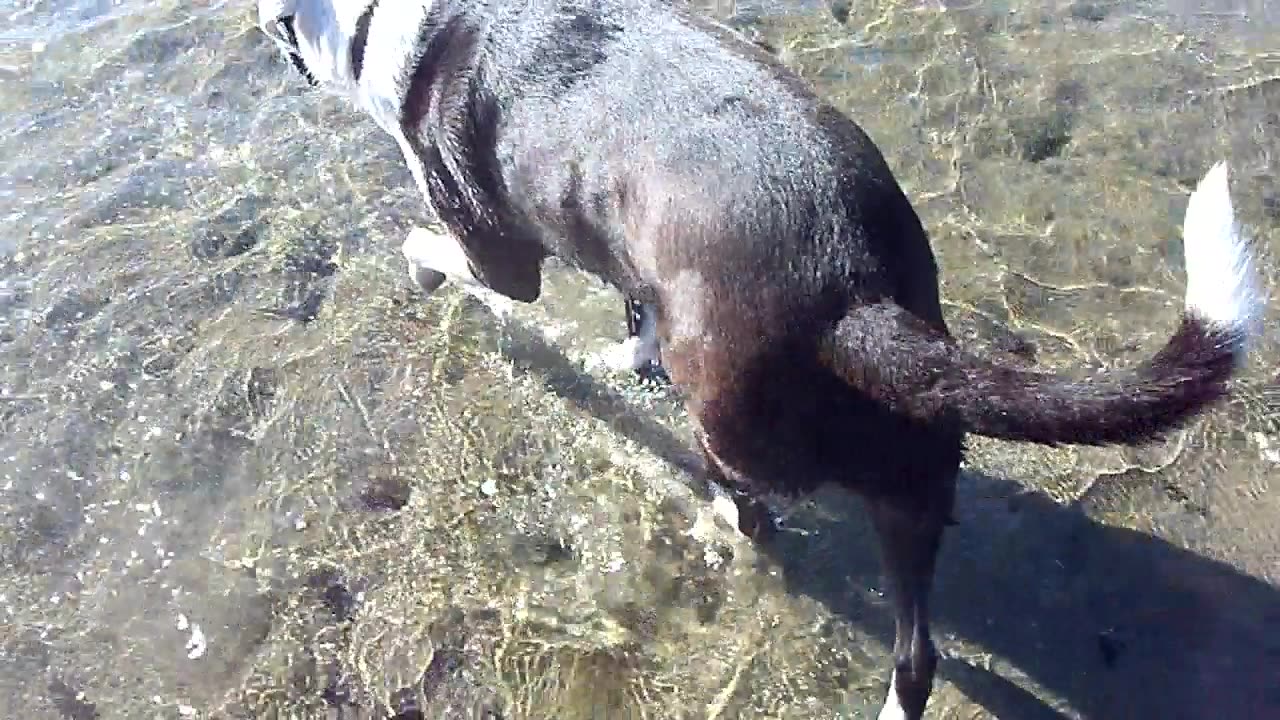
315	35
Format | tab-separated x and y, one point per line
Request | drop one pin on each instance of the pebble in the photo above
197	645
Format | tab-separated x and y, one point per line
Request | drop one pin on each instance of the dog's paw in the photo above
727	510
653	373
424	278
433	257
438	253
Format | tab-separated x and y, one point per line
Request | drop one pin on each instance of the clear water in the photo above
222	408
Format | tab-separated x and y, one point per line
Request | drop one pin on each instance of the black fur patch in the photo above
295	57
360	39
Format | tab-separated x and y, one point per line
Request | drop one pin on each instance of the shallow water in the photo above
248	473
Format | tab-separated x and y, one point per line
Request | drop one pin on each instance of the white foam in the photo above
1222	288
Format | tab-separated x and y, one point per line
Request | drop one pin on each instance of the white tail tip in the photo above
1222	288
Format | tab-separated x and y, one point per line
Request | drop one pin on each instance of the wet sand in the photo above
249	473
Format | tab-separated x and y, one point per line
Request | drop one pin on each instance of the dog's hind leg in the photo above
642	324
910	535
731	500
641	351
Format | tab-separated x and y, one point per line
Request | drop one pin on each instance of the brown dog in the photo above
772	255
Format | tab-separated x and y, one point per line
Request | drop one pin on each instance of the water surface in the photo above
248	473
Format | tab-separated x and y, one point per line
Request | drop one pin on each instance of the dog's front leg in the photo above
434	256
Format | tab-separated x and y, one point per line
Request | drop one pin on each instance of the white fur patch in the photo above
1222	288
269	10
727	509
440	251
324	31
389	53
892	709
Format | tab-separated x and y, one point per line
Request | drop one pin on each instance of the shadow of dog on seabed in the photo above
1114	622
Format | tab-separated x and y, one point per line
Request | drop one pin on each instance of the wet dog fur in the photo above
761	242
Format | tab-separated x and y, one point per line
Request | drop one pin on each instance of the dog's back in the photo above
686	167
644	144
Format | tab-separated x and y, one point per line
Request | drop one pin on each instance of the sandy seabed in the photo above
247	473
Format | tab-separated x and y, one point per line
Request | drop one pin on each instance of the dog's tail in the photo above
896	358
